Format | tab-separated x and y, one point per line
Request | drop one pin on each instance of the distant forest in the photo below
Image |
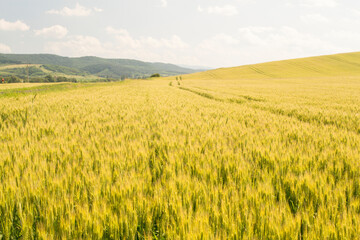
53	68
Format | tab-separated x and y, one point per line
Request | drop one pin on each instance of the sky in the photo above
207	33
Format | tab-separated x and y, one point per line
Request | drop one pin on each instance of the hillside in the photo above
83	66
346	64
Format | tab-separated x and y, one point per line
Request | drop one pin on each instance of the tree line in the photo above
45	79
52	79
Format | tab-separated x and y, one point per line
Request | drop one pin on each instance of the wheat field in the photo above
225	154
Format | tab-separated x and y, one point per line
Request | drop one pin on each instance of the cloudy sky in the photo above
213	33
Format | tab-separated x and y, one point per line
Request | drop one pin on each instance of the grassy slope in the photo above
20	71
347	64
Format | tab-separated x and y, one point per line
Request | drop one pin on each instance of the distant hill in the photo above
203	68
346	64
43	64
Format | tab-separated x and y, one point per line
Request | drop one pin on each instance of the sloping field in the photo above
253	158
347	64
18	66
39	70
21	85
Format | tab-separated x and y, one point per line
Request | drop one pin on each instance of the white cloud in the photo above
164	3
56	31
355	12
173	42
126	40
247	45
222	38
77	46
347	39
123	37
78	11
13	26
98	9
114	31
170	49
227	10
122	45
319	3
4	48
255	35
260	44
314	18
283	38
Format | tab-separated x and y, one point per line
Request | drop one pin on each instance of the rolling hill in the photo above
43	64
346	64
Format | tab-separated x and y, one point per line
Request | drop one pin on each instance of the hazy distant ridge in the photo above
113	68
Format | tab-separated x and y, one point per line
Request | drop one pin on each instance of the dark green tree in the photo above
13	79
49	78
155	75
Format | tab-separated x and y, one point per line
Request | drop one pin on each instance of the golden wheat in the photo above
186	159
